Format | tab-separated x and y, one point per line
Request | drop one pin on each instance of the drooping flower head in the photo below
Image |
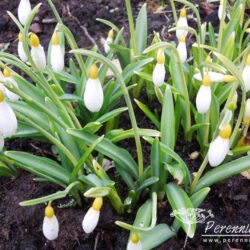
182	22
93	95
219	148
246	74
57	55
91	218
50	224
23	11
108	41
182	49
159	70
204	95
37	52
20	48
246	119
134	242
10	80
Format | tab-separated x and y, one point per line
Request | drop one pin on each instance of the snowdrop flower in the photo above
50	224
182	22
159	70
10	80
8	121
204	96
220	10
219	148
108	41
57	56
91	218
93	95
182	49
246	119
24	10
134	243
216	77
1	142
20	49
246	74
37	52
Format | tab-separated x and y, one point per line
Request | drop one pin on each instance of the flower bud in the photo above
24	10
159	70
20	48
56	55
182	22
108	41
134	243
182	49
246	119
246	73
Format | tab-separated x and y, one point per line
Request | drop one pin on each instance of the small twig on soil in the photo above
83	28
96	241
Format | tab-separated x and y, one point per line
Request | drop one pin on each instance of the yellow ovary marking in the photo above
226	132
49	211
97	204
93	72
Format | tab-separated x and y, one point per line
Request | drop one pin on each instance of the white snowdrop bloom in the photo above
57	55
246	74
10	80
50	224
246	119
134	243
182	22
220	10
21	53
159	70
1	142
24	10
219	148
182	49
91	218
8	121
93	95
37	52
215	77
108	41
204	96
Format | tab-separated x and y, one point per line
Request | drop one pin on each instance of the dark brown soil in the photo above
21	227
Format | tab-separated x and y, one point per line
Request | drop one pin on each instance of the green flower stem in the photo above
124	89
131	26
49	137
174	11
222	25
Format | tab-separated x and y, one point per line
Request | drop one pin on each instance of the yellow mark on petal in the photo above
7	72
226	132
93	72
206	80
49	211
182	39
34	40
135	238
161	57
248	60
55	39
97	204
183	13
20	37
1	96
229	78
111	34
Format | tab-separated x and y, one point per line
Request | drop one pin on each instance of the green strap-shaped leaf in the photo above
223	172
106	147
182	208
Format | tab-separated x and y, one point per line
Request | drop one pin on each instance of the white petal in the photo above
93	95
134	246
38	56
1	142
11	96
215	77
106	45
246	77
116	62
182	50
247	109
90	220
218	150
57	58
8	121
182	22
220	11
159	74
50	227
21	52
24	10
203	99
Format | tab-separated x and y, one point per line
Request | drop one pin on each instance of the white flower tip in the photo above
203	99
90	220
159	74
